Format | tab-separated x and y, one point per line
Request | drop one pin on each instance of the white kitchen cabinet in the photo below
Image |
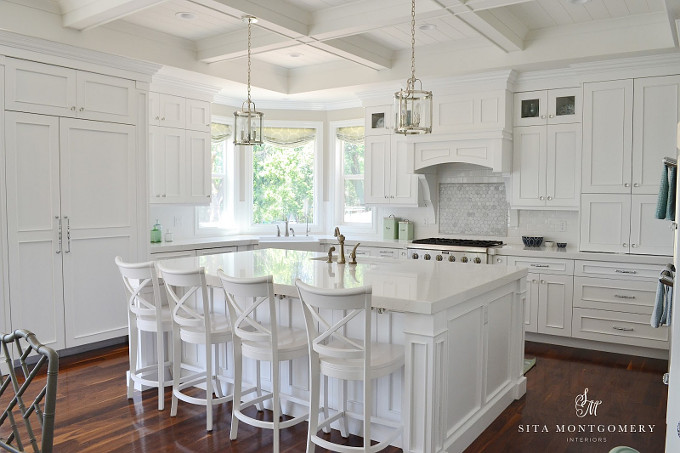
388	171
198	115
656	113
198	167
378	120
216	250
624	224
550	287
546	166
167	148
71	203
489	110
607	136
167	110
629	127
558	106
54	90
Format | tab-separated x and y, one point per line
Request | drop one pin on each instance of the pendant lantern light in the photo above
248	121
413	108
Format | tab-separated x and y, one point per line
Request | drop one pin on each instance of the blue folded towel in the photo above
662	202
657	311
672	183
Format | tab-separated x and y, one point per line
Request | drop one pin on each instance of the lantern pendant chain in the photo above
412	81
249	22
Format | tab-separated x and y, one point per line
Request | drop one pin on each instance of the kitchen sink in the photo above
310	243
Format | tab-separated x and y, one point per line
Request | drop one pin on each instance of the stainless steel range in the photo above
452	250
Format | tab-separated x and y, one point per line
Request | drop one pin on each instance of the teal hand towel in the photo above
662	202
667	308
657	311
672	183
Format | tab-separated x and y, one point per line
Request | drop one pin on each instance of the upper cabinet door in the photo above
198	115
377	169
656	113
40	88
379	120
563	160
105	98
607	136
172	111
564	106
529	166
531	108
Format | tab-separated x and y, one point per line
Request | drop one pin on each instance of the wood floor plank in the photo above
94	415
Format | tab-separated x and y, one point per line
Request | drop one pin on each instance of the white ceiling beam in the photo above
87	14
232	45
358	49
673	11
495	31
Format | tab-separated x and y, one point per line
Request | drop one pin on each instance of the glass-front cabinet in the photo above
559	106
379	120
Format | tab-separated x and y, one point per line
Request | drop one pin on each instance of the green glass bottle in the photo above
156	232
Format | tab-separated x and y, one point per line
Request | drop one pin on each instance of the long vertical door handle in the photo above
58	234
68	234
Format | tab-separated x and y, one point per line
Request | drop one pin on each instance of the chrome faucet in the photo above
292	232
278	231
341	241
286	229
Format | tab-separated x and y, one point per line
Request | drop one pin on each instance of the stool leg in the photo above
368	402
176	368
218	385
160	360
258	385
344	423
314	390
133	335
208	387
276	401
238	382
326	429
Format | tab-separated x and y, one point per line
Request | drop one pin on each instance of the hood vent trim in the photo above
492	150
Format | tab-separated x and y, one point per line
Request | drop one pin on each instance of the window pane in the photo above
354	210
353	158
283	178
218	155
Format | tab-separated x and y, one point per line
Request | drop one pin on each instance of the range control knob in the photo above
439	257
464	259
414	256
478	260
452	258
427	256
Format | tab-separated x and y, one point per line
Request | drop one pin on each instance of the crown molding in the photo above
28	47
188	85
642	66
291	104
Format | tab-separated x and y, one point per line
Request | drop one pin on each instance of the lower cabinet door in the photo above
555	304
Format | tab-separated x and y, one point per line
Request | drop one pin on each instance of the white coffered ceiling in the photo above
326	50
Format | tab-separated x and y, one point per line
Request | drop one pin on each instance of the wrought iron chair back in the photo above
27	408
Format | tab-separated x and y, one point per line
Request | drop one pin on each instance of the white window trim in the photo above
243	209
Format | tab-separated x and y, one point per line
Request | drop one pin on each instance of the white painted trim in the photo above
291	104
5	325
30	48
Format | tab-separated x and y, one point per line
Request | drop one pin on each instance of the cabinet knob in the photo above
534	281
81	109
541	197
499	260
542	116
549	198
158	118
551	116
542	282
625	245
633	245
163	119
163	195
626	184
73	108
636	184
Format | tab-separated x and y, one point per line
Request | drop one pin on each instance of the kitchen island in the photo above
461	327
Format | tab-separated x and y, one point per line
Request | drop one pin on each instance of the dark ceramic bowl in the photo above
532	241
561	245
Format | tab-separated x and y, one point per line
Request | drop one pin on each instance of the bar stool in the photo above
194	322
258	336
146	313
334	354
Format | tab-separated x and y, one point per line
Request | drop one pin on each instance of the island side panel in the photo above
463	367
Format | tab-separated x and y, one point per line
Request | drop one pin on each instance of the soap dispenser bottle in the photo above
156	232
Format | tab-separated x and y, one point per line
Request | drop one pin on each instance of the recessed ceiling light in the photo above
251	19
428	27
578	2
295	54
185	15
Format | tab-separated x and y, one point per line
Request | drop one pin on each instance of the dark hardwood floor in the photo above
94	415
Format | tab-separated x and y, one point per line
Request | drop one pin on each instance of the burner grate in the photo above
458	242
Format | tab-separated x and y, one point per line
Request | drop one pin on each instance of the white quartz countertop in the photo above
415	286
573	253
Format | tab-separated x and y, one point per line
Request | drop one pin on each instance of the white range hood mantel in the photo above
489	149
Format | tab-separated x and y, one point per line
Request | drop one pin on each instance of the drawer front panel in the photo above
617	270
615	327
627	296
543	265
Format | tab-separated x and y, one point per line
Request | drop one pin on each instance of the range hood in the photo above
492	149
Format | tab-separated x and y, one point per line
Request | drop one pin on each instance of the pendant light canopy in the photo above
413	107
248	121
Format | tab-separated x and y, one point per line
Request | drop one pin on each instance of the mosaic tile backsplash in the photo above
473	209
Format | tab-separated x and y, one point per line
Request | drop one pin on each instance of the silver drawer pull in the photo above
623	271
539	265
623	296
623	329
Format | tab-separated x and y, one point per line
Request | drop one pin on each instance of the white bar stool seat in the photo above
195	322
146	313
333	353
258	336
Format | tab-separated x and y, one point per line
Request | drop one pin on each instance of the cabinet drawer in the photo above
157	256
216	250
628	296
543	265
617	270
615	327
